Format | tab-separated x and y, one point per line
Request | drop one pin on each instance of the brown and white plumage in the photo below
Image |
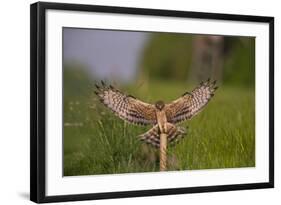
190	103
174	134
161	116
125	106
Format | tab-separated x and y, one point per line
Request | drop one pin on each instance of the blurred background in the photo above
153	66
130	56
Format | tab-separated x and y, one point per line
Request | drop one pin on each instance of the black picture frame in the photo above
38	101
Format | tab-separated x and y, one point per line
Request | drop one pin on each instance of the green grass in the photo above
221	136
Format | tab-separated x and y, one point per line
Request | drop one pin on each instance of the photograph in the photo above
134	102
142	101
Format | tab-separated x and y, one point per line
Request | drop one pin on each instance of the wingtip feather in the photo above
103	83
111	87
97	86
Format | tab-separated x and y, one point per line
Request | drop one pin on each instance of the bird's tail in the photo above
152	136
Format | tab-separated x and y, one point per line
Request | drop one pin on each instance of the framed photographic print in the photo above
129	102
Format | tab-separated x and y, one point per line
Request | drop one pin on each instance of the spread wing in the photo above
190	104
125	106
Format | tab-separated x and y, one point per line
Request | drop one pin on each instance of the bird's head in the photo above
160	105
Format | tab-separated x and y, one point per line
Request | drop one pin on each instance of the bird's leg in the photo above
163	151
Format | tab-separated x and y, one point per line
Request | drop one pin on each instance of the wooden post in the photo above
163	152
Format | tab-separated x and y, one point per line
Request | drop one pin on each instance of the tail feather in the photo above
180	134
152	136
175	133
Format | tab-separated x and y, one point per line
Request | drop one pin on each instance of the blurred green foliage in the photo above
169	56
76	81
239	66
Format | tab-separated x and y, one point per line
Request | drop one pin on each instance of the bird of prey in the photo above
163	117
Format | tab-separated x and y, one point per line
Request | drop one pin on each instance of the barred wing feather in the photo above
190	104
125	106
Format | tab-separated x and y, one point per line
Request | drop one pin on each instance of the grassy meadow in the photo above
97	142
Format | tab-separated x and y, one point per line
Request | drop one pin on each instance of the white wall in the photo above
14	101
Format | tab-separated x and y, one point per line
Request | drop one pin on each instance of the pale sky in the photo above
107	54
